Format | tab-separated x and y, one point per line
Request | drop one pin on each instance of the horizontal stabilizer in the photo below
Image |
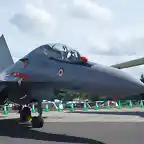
5	55
129	64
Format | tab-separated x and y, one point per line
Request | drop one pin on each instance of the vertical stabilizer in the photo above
5	56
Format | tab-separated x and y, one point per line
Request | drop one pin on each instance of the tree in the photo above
66	95
82	96
97	97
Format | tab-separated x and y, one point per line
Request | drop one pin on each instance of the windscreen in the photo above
65	52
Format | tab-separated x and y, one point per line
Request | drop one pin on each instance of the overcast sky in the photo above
106	31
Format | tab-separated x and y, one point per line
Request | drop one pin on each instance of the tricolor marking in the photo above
60	72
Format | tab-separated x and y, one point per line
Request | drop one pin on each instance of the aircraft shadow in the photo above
141	114
12	128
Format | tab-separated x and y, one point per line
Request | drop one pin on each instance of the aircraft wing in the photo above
128	64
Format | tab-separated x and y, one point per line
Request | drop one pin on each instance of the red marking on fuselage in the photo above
20	75
6	76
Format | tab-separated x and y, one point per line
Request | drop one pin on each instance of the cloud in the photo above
116	47
33	20
89	9
104	31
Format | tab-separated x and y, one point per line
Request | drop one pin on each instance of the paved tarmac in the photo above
75	128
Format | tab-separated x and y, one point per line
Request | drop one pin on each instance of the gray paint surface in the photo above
5	56
43	69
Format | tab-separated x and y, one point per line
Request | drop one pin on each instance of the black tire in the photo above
25	114
37	122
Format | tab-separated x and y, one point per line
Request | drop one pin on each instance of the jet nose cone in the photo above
116	82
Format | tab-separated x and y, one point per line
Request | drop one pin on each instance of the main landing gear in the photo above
37	121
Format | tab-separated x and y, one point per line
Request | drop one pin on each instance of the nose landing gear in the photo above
25	114
37	121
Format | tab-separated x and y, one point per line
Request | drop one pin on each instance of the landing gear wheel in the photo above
37	122
25	114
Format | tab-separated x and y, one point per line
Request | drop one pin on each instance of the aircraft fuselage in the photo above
44	73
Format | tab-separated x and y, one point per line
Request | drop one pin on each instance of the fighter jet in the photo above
54	65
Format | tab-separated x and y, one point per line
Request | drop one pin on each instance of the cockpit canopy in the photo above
61	51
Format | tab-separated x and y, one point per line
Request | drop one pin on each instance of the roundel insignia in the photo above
61	72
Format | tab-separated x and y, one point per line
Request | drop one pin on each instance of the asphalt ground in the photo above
91	127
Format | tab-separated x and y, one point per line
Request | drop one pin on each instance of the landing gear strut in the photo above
38	122
25	115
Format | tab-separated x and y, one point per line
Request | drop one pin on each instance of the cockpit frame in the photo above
65	54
